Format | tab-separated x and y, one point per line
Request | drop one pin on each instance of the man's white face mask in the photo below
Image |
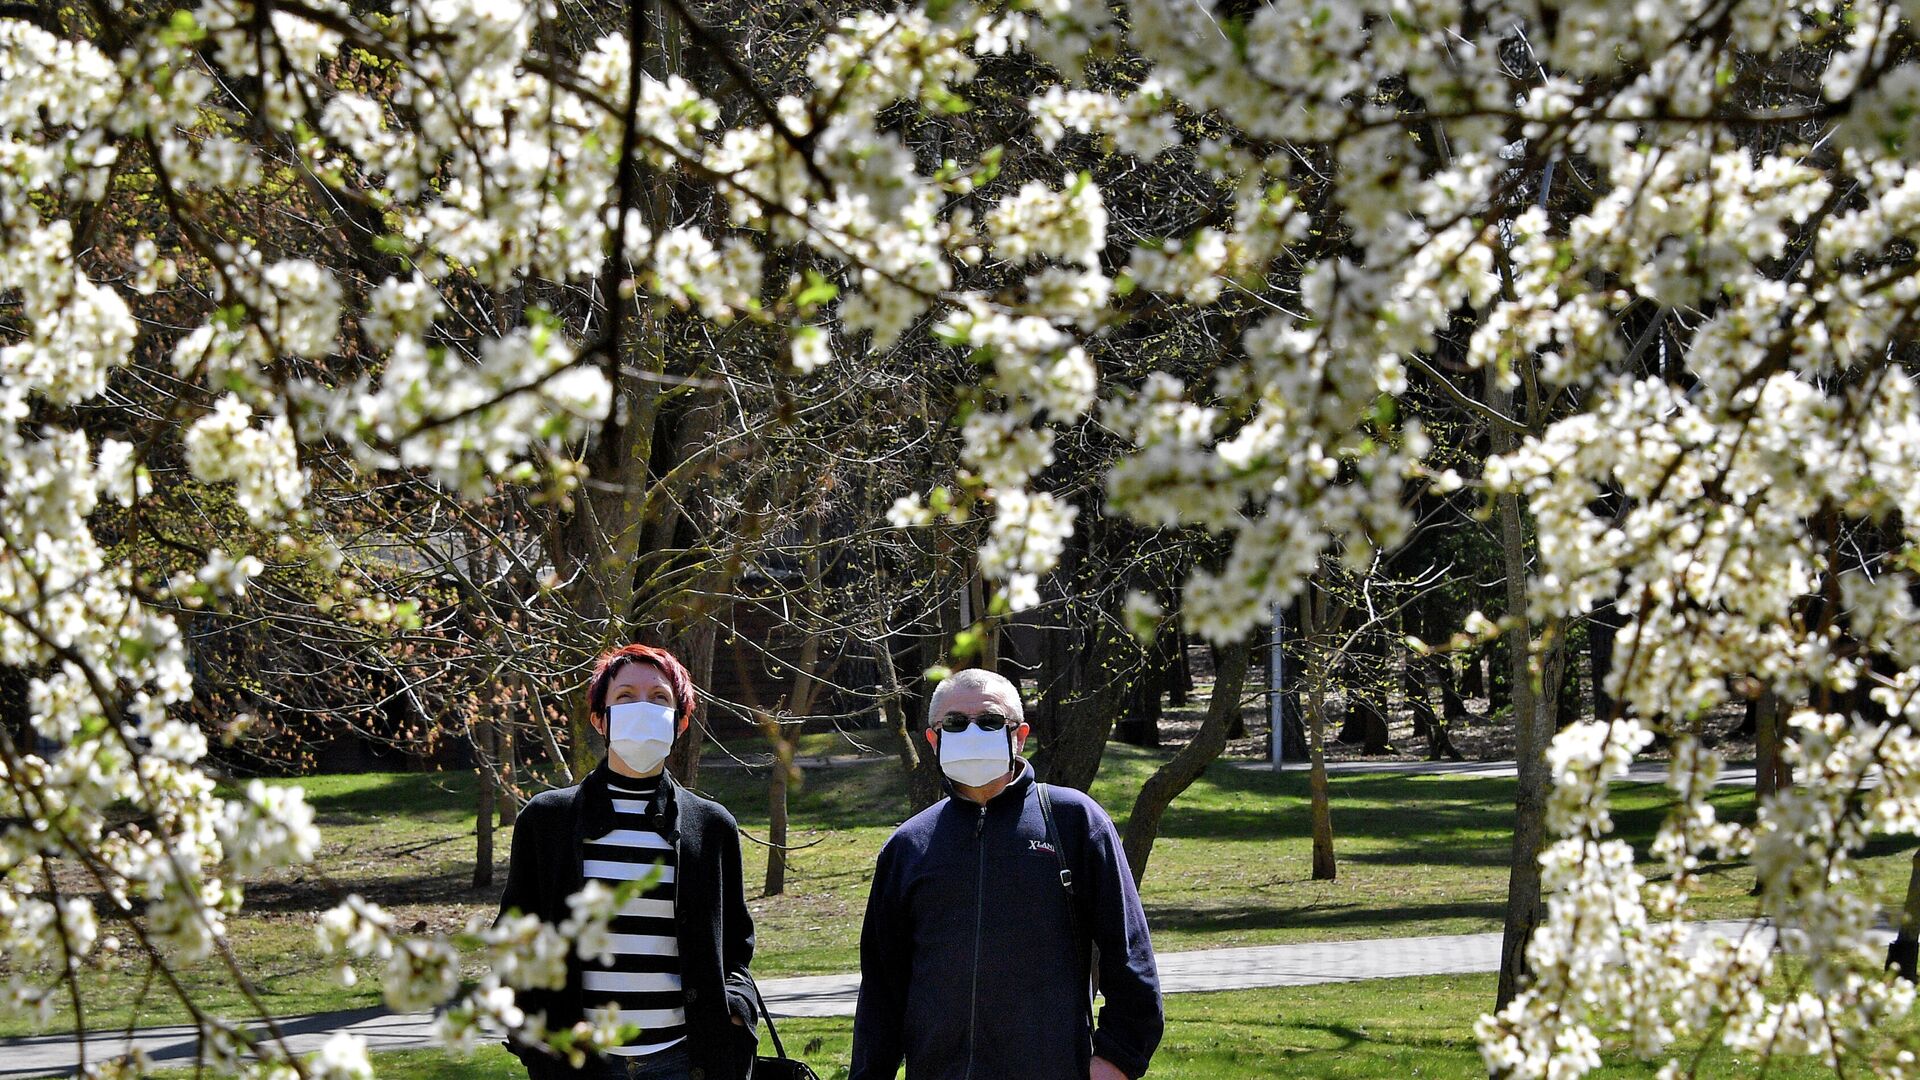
976	758
641	733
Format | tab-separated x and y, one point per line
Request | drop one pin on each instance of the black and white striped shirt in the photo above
642	977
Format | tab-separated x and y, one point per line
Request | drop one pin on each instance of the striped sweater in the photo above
642	977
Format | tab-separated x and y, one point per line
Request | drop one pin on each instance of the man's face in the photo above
637	682
973	701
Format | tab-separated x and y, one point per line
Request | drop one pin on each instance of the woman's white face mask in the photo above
641	734
976	758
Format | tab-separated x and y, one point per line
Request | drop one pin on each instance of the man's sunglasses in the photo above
956	722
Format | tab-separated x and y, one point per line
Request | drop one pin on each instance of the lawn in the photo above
1417	855
1343	1031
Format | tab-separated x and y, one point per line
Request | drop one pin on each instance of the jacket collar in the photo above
595	814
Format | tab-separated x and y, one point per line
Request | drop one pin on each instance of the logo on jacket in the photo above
1040	845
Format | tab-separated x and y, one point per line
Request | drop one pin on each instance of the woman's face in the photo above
636	682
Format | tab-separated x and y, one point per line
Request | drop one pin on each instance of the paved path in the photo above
833	995
1641	772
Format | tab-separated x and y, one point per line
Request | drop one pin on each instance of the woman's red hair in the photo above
668	665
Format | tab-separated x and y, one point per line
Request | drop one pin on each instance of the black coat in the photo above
974	965
716	932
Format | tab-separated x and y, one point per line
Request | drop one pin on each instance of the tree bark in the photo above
1602	625
777	827
1771	771
1319	801
1903	953
483	818
1179	675
684	760
509	765
1534	727
1169	780
897	708
1139	725
1080	698
1473	675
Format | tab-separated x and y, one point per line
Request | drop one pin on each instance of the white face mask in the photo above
976	758
641	733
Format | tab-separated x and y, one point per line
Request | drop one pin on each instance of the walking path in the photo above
833	995
1640	772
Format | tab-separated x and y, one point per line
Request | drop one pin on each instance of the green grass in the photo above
1344	1031
1417	855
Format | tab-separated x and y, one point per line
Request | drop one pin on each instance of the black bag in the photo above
780	1067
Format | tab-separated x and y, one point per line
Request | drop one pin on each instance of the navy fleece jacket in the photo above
968	965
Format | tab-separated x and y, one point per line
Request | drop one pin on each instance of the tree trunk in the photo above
1601	628
1473	674
509	765
1566	698
1179	675
1368	685
1319	801
1500	677
891	704
483	819
1081	693
1533	726
1903	953
1453	704
777	828
1425	721
1169	780
1140	724
684	760
798	706
1771	771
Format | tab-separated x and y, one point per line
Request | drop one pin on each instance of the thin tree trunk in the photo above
1320	809
1169	780
915	756
1771	771
1533	726
1601	628
684	760
1473	674
1903	953
1320	802
509	765
777	826
483	818
1179	678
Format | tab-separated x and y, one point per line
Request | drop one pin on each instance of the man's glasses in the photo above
956	722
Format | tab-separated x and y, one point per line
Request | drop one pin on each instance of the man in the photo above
974	958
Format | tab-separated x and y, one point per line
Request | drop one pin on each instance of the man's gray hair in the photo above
991	682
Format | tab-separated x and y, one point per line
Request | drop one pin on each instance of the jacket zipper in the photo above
979	907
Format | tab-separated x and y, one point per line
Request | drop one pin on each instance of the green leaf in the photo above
818	291
1385	411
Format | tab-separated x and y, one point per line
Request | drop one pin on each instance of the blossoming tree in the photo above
1398	186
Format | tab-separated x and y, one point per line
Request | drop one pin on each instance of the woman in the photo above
681	948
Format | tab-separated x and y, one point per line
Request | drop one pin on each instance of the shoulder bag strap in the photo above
1073	901
765	1014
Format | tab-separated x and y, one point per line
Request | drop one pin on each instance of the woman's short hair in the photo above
668	665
